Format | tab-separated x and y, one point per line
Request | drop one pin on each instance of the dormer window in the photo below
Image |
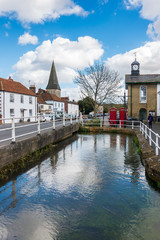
143	94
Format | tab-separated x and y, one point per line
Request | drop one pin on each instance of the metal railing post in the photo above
39	123
150	137
157	147
81	118
143	129
146	131
140	127
120	123
64	122
54	124
71	120
76	118
13	130
100	122
132	124
82	122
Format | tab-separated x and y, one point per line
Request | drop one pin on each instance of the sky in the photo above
75	34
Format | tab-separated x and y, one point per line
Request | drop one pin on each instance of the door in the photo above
22	115
142	114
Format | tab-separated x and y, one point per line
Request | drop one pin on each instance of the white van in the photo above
45	117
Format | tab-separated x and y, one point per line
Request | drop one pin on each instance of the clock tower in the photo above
135	67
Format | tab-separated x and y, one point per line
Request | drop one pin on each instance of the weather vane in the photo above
135	55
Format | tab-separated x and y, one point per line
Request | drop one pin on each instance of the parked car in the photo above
45	117
132	119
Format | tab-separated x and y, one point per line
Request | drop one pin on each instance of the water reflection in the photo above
92	188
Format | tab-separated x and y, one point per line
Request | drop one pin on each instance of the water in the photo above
95	188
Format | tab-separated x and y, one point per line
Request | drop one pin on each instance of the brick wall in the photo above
134	91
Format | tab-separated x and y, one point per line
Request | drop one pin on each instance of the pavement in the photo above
156	127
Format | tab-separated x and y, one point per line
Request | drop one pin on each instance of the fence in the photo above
121	123
12	131
152	137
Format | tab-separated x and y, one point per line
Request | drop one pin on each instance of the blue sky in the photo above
75	34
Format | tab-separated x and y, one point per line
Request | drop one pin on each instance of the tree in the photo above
99	83
85	105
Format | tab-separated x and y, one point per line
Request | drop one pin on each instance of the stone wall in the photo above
13	152
149	159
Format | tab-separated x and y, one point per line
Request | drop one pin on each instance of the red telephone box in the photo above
113	116
123	115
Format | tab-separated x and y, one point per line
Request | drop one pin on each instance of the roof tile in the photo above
9	85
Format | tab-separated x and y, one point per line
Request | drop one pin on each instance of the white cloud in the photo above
72	93
38	11
7	25
26	38
67	55
132	3
150	9
154	29
148	56
6	34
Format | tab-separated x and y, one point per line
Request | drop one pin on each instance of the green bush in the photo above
83	129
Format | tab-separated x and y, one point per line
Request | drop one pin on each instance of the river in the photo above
93	187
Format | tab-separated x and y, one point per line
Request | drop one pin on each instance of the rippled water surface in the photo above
93	188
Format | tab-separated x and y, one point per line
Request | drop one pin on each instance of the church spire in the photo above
53	85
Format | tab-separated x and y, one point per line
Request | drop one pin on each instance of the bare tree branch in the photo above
98	83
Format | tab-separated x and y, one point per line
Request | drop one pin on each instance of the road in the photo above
24	129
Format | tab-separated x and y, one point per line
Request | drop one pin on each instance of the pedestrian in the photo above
150	119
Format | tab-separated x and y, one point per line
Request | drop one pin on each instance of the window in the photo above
143	94
22	99
55	104
42	106
30	112
30	100
50	107
11	97
58	104
62	105
11	112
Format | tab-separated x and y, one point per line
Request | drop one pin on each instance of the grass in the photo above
83	129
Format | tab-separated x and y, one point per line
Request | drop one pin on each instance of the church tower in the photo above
53	85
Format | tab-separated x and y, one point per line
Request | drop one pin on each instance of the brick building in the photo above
143	93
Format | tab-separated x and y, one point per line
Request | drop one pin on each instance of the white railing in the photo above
120	124
152	137
16	129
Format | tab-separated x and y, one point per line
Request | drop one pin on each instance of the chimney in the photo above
10	78
33	88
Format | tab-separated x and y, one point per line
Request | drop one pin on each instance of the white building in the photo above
71	107
17	100
48	100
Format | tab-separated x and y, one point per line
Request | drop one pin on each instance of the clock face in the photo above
135	67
